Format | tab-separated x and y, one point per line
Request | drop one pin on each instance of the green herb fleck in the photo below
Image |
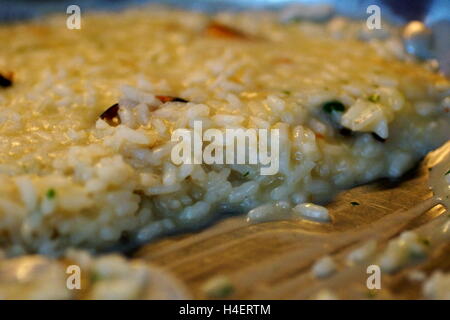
374	98
95	277
218	287
335	105
448	172
295	20
246	174
51	193
415	255
371	294
354	203
286	92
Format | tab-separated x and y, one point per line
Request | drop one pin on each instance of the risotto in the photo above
86	118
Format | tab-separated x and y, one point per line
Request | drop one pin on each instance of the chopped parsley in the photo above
374	98
371	294
334	105
246	174
222	292
51	193
95	277
295	20
448	172
219	287
417	255
286	92
354	203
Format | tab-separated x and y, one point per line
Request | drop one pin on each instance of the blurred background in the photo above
400	11
434	13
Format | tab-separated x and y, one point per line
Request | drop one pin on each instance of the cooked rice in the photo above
69	179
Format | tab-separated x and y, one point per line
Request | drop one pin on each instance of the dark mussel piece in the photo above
111	115
377	137
346	132
6	80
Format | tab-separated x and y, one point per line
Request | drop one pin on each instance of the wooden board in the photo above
273	260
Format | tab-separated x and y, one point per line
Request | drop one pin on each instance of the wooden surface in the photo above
273	260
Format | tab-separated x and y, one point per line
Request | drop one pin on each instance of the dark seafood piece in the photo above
111	115
165	99
377	137
6	80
